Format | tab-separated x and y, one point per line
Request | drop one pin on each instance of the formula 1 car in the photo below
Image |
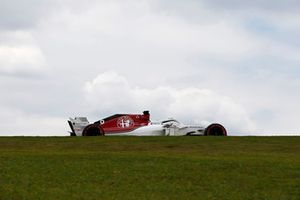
140	125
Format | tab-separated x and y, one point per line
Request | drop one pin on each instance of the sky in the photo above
199	61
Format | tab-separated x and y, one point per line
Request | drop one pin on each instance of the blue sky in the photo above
232	62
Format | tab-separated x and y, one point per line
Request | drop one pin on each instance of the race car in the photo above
140	125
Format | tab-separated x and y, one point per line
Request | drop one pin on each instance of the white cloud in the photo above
20	54
17	123
20	59
113	91
244	55
137	25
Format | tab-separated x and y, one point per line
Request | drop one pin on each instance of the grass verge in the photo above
150	168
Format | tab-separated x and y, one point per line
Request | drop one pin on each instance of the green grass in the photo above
150	168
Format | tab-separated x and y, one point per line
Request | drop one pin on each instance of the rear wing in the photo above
77	125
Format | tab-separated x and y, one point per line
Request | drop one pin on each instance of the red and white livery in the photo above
140	125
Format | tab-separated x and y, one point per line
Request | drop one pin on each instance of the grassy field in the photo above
150	168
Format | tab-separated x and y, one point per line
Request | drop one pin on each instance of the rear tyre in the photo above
215	130
92	130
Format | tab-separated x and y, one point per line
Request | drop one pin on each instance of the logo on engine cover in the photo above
125	122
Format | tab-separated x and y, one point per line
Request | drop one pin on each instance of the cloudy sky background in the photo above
232	62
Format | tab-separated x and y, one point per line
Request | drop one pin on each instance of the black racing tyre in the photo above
93	130
215	130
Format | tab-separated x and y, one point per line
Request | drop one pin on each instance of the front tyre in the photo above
215	130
